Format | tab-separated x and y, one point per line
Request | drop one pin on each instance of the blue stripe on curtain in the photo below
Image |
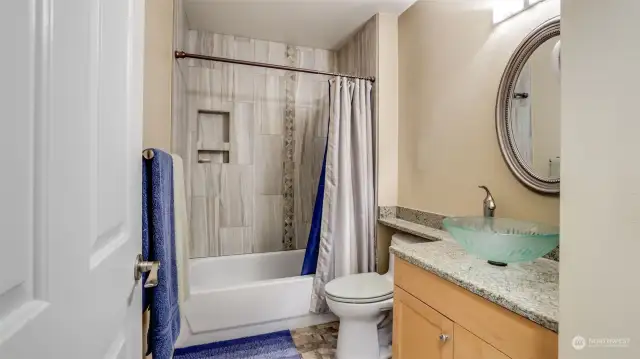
313	243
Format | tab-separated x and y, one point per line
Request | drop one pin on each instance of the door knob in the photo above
443	337
150	267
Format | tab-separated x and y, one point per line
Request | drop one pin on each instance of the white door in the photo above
70	142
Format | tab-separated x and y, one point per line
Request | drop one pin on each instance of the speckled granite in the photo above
387	211
420	223
528	289
428	219
419	230
554	255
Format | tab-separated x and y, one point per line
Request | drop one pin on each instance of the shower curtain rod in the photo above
182	55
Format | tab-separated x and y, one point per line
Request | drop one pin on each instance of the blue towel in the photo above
158	244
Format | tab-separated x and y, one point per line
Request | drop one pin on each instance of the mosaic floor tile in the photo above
317	342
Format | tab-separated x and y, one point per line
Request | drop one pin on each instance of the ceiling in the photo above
324	24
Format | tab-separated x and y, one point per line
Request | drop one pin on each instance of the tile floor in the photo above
316	342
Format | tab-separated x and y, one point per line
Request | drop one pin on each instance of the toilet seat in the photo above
360	289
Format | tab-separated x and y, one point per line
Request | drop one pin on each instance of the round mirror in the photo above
528	110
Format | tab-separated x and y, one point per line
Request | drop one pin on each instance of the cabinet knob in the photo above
443	337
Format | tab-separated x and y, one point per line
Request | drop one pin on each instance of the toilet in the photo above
362	302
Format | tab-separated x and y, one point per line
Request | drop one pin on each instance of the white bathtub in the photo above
243	295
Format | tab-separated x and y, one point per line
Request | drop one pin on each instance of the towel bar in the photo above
147	154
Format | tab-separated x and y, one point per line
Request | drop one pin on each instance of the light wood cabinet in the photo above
427	306
468	346
418	331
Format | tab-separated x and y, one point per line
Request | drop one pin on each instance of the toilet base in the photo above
358	333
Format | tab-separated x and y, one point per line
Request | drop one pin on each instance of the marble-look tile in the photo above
206	43
244	84
236	196
228	51
323	60
321	108
192	47
306	57
180	123
261	53
302	234
306	90
206	180
268	227
269	101
205	90
277	56
307	168
236	240
245	48
213	129
269	165
358	55
204	227
242	134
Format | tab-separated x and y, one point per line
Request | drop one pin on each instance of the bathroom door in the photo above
70	169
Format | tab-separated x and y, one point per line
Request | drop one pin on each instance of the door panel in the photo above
71	141
468	346
417	328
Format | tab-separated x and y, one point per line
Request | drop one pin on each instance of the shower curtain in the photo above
344	216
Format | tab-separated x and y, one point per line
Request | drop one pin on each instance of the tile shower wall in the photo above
254	141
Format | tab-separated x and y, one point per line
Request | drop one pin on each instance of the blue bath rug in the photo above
278	345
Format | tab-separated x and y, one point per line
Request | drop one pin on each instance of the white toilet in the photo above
361	301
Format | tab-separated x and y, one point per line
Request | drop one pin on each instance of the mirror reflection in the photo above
535	111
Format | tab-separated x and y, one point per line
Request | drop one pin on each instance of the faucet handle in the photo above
486	189
489	204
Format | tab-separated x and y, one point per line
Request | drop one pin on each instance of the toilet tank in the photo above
399	239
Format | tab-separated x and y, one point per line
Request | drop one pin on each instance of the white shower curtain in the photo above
347	243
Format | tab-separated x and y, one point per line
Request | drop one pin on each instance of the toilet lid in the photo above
360	286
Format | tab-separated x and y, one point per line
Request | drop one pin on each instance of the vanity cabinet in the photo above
434	318
419	331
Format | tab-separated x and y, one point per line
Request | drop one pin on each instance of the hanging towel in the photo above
158	244
182	229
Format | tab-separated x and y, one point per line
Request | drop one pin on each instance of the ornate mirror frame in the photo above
520	168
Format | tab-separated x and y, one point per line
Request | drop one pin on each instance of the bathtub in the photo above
243	295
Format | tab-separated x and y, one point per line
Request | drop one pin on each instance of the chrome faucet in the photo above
488	205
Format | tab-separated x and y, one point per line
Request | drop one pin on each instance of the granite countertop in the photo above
528	289
416	229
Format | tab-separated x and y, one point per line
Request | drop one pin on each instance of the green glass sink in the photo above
503	240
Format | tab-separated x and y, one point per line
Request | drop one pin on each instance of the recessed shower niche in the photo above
213	136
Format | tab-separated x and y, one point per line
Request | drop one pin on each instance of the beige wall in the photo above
158	59
600	204
451	59
387	109
545	107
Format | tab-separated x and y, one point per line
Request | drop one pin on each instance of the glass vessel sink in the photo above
503	240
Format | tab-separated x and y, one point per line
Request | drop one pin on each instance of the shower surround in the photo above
253	142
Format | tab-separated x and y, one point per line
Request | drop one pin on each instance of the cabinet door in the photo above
468	346
419	332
